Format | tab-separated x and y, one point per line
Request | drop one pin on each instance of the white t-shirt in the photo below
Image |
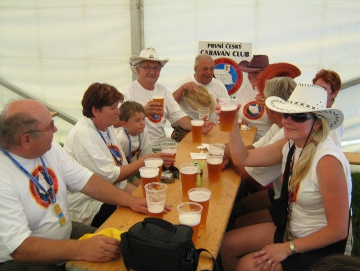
155	124
23	211
266	175
136	151
215	88
88	148
308	214
253	114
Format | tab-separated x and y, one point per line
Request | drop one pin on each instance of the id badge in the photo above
60	214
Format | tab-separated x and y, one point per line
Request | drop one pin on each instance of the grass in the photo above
356	213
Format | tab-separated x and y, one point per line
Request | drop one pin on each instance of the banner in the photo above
227	56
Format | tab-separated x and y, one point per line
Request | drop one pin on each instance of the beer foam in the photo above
158	97
149	172
228	107
214	160
190	219
153	162
155	209
197	122
199	196
189	170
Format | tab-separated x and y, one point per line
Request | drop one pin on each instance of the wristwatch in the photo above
292	247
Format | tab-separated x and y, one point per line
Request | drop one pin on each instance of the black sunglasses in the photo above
298	117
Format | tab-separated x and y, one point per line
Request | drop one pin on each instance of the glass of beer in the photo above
190	214
169	147
158	96
197	129
155	198
214	165
188	177
155	162
204	112
228	113
201	196
148	175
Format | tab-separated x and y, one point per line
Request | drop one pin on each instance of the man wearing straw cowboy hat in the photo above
148	66
199	89
252	113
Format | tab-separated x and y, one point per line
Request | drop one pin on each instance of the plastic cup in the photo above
190	214
201	196
159	96
216	150
169	147
188	177
155	162
197	129
155	198
204	112
148	175
228	113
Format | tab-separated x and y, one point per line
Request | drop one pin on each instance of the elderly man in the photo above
203	76
148	66
252	113
36	173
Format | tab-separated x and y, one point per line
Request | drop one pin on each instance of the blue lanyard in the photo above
111	149
50	193
129	158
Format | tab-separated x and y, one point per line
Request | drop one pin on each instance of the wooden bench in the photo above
353	157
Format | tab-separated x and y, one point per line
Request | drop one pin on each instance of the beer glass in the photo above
204	112
190	214
169	147
155	162
188	177
214	165
155	198
159	96
201	196
197	129
228	113
148	175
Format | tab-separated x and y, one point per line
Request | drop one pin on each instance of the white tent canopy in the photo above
56	49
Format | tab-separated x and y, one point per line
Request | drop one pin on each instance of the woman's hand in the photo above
271	255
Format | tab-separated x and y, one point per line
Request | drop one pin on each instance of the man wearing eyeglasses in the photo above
35	226
148	66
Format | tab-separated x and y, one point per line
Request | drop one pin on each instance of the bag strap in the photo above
159	222
216	266
284	196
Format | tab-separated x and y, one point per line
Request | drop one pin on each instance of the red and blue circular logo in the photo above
227	71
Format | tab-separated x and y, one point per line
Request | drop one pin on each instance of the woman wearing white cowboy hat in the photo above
148	66
316	189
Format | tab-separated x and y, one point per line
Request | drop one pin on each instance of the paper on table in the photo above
203	146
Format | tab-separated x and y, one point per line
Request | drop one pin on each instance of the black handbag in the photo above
157	245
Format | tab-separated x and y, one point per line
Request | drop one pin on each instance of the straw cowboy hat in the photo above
307	98
280	69
200	98
257	63
146	54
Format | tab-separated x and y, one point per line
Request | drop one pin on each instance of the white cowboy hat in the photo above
307	98
146	54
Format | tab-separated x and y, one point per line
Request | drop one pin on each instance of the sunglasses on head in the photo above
298	117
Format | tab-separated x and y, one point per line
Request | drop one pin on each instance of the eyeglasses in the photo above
298	117
51	128
148	68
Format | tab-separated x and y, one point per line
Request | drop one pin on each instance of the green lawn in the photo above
356	213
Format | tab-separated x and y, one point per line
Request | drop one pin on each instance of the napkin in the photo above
109	232
203	146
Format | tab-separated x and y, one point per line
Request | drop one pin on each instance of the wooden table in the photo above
221	203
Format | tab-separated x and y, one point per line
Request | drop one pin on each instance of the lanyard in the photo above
50	193
111	147
128	136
